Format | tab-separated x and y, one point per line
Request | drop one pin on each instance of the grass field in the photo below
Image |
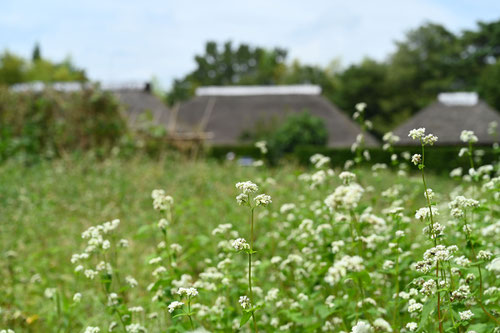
317	266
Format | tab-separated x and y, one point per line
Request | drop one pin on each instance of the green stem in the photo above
250	270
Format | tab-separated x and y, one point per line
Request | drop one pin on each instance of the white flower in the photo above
135	328
174	305
244	302
341	267
417	134
360	107
416	159
347	177
484	255
77	297
466	315
262	200
90	274
91	329
425	213
412	326
430	139
190	292
262	145
247	187
163	224
131	281
362	327
240	244
345	196
468	137
382	325
136	309
50	292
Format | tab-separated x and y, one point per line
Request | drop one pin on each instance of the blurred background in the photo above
215	77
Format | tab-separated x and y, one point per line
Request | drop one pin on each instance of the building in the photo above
449	116
226	113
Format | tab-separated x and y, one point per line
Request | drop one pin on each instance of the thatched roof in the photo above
229	112
139	101
446	119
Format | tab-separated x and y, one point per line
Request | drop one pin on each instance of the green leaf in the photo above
245	318
180	315
426	311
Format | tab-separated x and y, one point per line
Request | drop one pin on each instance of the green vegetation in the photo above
326	247
14	69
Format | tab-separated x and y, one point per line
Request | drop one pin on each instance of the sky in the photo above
132	41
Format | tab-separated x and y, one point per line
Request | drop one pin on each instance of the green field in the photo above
44	208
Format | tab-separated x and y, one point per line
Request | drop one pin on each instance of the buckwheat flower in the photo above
136	309
412	327
466	315
461	293
244	302
163	224
382	325
272	295
416	159
190	292
430	139
154	261
457	172
135	328
240	244
262	200
131	281
77	297
462	261
123	243
494	265
106	244
262	145
429	194
337	245
247	187
417	134
484	255
388	264
90	274
362	327
414	306
400	233
78	268
174	305
158	271
176	247
390	138
242	199
50	292
429	287
468	137
91	329
345	196
424	213
347	177
222	229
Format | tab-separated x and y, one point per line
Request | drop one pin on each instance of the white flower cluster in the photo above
262	145
247	187
342	266
319	160
244	302
466	315
161	201
262	200
416	159
468	136
345	196
174	305
419	134
135	328
240	244
425	213
189	292
362	327
92	329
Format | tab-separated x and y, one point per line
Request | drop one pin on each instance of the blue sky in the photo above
133	40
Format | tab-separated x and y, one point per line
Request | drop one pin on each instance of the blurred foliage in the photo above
428	60
51	123
15	69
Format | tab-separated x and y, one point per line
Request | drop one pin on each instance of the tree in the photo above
37	53
228	65
12	68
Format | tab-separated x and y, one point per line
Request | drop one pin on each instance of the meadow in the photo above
357	250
